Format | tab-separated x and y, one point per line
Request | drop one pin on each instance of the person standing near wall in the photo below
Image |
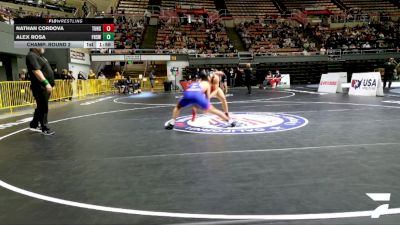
390	68
247	78
232	76
42	83
152	78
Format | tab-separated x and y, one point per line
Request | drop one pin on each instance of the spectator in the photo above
71	75
85	9
129	33
152	78
91	75
57	75
267	79
322	51
81	76
232	77
22	76
69	78
67	75
101	76
118	76
215	39
147	15
277	74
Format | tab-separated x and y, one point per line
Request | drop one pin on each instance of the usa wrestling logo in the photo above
364	84
247	123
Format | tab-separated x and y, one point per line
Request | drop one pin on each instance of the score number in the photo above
108	27
108	32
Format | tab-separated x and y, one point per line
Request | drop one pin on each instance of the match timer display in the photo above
64	33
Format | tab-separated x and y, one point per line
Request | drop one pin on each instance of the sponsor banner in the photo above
132	58
247	123
366	84
285	81
79	56
330	83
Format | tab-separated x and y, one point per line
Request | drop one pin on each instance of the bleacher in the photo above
67	6
303	4
372	5
251	7
128	33
273	37
132	6
200	35
206	4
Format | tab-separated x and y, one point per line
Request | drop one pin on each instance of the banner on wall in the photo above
79	56
366	84
174	70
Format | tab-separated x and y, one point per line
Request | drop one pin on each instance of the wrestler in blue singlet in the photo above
194	95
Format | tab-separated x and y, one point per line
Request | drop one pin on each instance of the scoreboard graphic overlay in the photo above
64	33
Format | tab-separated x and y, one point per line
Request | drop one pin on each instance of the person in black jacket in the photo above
390	66
42	83
247	77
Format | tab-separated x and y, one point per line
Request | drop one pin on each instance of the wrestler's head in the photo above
203	76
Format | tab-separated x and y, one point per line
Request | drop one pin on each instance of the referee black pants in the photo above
387	78
248	85
42	107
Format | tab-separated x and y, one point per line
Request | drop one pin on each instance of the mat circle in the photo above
247	123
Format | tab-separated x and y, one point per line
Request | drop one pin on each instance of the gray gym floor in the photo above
112	162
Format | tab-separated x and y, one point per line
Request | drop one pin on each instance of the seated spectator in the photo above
81	76
195	35
129	33
22	76
322	51
136	87
91	75
101	76
267	79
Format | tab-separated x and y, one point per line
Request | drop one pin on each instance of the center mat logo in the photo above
247	123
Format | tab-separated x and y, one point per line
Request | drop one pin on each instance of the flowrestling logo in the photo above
247	123
365	84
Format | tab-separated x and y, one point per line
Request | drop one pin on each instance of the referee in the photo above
42	83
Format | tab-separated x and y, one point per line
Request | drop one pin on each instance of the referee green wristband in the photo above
45	82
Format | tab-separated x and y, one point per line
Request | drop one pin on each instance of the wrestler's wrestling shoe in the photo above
169	125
